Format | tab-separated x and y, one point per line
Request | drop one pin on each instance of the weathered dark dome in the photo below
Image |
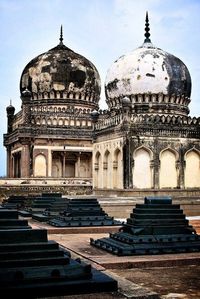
61	73
149	70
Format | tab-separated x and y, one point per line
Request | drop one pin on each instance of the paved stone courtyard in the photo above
168	276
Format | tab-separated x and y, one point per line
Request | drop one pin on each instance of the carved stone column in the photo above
152	168
26	109
9	163
156	172
181	169
50	163
178	173
128	164
25	161
78	165
63	164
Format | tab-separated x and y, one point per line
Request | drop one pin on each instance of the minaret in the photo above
26	111
10	115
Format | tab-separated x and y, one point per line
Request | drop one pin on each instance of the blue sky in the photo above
100	30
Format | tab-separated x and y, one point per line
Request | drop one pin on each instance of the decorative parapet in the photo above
152	103
109	122
88	97
165	119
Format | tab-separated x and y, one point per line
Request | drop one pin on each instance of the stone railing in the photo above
109	122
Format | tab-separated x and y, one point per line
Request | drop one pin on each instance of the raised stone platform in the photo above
102	260
31	266
155	227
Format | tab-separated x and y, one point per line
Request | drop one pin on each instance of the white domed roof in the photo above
147	70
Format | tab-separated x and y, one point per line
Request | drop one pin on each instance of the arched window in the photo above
142	177
168	172
40	169
107	170
98	176
192	169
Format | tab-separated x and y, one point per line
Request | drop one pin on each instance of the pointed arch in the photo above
40	166
142	172
98	170
56	165
192	168
168	175
107	170
117	169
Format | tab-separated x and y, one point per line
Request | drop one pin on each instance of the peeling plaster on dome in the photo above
147	70
61	69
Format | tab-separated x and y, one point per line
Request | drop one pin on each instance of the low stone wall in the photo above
36	186
128	193
28	190
122	207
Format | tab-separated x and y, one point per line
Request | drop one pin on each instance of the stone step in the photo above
85	218
52	194
120	248
13	222
50	245
157	206
9	236
157	211
24	213
8	214
158	200
74	223
83	213
156	216
41	217
27	262
158	221
83	206
81	200
132	239
157	230
30	254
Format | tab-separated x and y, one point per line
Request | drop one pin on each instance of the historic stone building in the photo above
51	137
145	140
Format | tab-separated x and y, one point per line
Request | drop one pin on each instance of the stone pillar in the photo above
12	166
152	173
156	173
49	163
128	164
63	164
178	173
78	165
26	109
25	161
181	169
9	163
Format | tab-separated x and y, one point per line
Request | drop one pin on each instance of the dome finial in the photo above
147	29
61	35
